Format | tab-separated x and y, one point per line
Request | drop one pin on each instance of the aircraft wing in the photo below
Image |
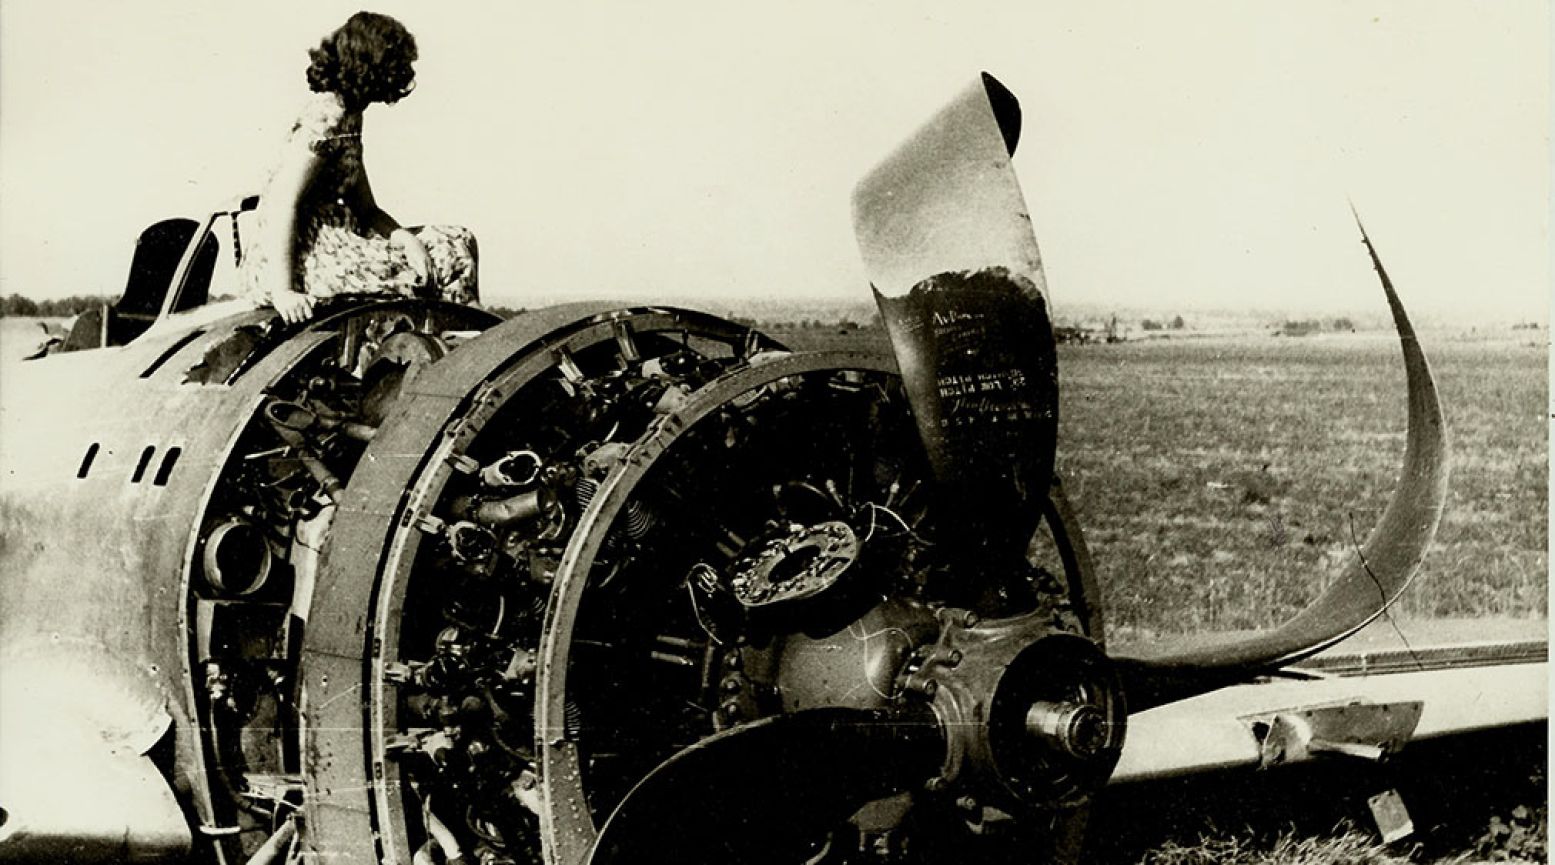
1365	698
78	781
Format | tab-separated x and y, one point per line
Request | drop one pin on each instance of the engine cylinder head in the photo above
515	469
471	542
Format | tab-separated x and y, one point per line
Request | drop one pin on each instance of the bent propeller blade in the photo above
948	247
1375	574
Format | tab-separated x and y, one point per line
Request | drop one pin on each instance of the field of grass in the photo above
1217	479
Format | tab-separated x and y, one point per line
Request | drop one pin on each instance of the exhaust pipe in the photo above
236	557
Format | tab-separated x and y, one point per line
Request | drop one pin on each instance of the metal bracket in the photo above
1369	731
1392	818
273	787
426	523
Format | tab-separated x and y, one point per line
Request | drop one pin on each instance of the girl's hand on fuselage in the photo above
294	307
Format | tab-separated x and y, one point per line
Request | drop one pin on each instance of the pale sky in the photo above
1182	155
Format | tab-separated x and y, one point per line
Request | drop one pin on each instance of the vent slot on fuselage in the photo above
145	461
87	458
165	470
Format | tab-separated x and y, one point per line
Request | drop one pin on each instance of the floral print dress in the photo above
335	251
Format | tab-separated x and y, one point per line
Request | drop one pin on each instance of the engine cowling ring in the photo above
569	831
350	689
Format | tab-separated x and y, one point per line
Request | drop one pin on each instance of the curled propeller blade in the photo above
947	244
1375	575
768	791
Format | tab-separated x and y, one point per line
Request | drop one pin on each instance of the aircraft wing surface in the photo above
1364	698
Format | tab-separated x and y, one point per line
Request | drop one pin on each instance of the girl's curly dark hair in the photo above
368	59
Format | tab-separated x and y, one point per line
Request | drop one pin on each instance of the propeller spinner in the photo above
985	702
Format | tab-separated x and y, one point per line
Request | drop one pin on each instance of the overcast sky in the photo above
1183	155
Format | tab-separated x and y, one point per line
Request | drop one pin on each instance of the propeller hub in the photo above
1078	729
1033	716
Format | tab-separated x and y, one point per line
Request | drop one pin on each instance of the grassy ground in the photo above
1472	799
1218	479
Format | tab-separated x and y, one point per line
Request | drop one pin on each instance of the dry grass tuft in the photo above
1348	847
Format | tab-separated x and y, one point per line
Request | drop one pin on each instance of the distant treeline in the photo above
62	307
1304	327
843	324
54	308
